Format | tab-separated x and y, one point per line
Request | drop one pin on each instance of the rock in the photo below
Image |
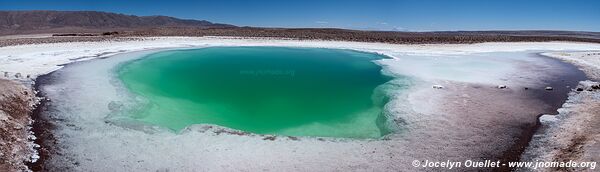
545	119
34	158
579	89
3	116
17	127
271	138
549	88
501	86
438	86
588	86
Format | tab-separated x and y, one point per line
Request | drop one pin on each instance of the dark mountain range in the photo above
95	25
22	22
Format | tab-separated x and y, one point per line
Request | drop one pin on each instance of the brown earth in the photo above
16	105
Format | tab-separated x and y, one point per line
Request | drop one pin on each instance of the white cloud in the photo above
398	28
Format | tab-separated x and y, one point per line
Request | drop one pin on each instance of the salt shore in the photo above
470	118
572	133
16	147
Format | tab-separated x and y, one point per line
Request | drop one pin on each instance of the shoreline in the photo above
571	133
514	153
41	127
102	56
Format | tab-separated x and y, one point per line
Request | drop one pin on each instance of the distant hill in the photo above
23	22
546	33
95	25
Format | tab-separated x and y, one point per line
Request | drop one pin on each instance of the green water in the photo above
264	90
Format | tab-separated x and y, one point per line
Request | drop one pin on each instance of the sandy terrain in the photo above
469	119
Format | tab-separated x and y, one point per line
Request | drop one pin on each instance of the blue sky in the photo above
411	15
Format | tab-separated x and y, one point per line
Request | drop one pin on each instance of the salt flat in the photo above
468	119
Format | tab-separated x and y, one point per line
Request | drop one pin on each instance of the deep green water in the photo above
265	90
